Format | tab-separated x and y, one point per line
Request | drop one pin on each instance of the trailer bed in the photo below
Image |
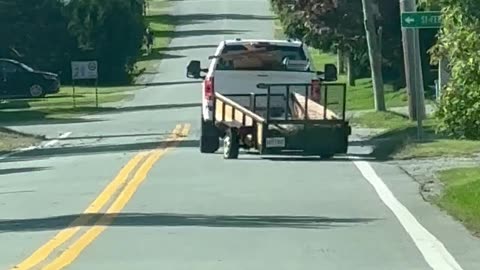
300	124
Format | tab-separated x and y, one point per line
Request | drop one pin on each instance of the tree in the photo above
329	25
459	40
34	31
48	34
110	32
370	10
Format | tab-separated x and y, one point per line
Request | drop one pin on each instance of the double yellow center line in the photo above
123	185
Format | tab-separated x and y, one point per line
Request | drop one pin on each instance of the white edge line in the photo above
434	252
42	145
55	141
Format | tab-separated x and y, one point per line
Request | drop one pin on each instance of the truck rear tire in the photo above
209	141
231	144
209	144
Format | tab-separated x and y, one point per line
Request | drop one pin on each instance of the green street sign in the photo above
429	19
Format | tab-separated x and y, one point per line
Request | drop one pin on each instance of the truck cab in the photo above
240	65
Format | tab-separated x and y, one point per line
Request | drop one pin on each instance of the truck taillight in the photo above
315	94
208	88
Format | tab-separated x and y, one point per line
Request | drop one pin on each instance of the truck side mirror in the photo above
194	69
330	73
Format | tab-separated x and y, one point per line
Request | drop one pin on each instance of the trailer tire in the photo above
231	144
209	141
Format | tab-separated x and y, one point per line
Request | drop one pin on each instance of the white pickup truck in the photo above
239	65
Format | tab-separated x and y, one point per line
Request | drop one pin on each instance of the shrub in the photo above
459	42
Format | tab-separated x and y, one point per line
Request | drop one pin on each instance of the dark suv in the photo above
18	80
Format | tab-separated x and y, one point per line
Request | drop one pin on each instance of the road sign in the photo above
84	70
430	19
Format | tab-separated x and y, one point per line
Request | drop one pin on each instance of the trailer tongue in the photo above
300	125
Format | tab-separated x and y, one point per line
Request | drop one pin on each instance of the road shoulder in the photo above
457	239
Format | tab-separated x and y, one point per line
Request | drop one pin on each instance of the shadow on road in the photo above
170	219
171	83
40	118
157	54
22	170
182	48
384	146
89	149
193	33
16	192
300	158
30	118
115	136
198	18
110	110
387	144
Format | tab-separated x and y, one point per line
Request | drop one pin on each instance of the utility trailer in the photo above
302	126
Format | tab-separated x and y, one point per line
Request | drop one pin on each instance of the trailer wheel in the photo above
231	144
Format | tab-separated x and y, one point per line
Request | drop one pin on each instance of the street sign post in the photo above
85	70
411	22
427	19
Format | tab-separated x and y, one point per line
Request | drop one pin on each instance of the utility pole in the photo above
370	14
413	67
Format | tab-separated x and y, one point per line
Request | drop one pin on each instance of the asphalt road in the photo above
141	196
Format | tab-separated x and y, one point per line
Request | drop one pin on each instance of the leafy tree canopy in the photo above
459	42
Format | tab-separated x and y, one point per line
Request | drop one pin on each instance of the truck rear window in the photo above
258	57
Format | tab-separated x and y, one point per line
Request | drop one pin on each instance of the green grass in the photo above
397	127
61	105
278	30
461	196
163	26
440	148
382	120
360	96
433	145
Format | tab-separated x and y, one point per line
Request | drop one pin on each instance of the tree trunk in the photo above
340	61
350	69
375	55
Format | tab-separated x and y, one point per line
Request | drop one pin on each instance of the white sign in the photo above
84	70
275	142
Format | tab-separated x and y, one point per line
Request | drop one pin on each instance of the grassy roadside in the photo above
399	128
360	96
461	196
163	26
60	107
15	140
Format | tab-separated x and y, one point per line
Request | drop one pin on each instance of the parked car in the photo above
18	80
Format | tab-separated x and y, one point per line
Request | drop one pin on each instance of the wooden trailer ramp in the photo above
232	114
315	110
